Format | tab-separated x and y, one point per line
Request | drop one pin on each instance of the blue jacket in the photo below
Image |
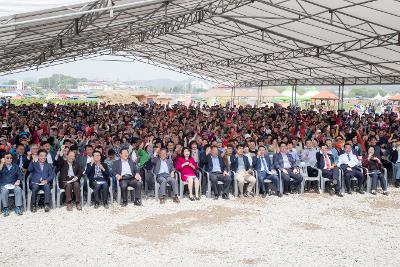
11	176
37	173
234	163
278	161
257	163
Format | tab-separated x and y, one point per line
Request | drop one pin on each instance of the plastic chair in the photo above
90	192
12	195
130	189
236	184
369	189
304	173
41	192
182	183
61	190
157	186
207	175
268	181
324	180
351	179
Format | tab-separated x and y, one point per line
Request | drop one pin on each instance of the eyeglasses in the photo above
7	157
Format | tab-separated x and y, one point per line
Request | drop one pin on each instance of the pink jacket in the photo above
186	170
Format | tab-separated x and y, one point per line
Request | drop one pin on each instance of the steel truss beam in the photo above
125	36
374	80
315	51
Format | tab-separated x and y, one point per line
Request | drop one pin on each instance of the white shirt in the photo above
344	159
126	169
309	156
163	166
49	158
134	156
286	162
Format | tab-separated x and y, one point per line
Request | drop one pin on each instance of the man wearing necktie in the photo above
262	164
329	169
349	163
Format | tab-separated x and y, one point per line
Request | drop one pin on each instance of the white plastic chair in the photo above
324	180
182	183
12	195
369	189
207	175
267	181
303	172
90	192
61	190
351	179
41	192
157	186
236	184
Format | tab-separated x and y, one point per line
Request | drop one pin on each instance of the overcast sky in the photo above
98	69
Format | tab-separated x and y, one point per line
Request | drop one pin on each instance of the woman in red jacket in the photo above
186	165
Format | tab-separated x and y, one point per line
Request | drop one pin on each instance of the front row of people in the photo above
128	175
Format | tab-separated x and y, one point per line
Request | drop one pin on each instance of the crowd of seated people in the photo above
77	147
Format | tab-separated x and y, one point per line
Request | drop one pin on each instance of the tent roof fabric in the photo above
310	93
394	97
242	43
325	95
217	92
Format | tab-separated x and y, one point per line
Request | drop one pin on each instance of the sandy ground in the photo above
297	230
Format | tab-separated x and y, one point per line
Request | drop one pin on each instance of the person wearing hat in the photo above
11	180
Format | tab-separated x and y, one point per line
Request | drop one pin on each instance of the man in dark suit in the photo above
86	158
262	164
99	179
10	173
218	171
164	172
284	162
329	169
69	178
41	178
127	174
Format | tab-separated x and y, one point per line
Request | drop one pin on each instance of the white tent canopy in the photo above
244	43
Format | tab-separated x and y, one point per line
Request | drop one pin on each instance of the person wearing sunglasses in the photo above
11	180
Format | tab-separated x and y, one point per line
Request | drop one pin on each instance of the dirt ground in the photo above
296	230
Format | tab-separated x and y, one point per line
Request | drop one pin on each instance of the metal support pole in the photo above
295	95
342	97
340	93
291	102
234	96
231	104
261	95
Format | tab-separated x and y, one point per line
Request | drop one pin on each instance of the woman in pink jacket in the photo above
186	165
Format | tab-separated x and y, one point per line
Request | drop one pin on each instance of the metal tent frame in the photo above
240	43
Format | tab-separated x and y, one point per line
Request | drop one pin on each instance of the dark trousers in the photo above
73	189
215	177
353	173
36	188
100	189
149	179
262	175
137	186
333	174
297	179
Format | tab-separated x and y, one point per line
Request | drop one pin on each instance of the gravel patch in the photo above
296	230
